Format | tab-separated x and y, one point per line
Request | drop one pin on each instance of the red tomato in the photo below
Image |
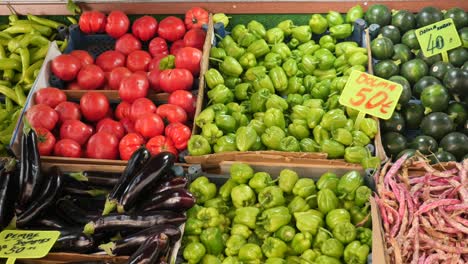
42	115
111	126
149	125
110	59
154	63
117	24
116	76
65	67
160	144
83	56
184	99
158	46
195	38
67	148
171	28
45	141
172	113
102	145
145	28
50	96
179	134
129	144
138	60
175	79
196	17
127	43
73	86
189	58
91	77
141	107
68	111
123	110
92	22
76	130
154	79
128	125
176	46
133	87
94	106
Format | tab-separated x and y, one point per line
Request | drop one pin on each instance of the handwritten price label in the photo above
371	95
26	243
438	37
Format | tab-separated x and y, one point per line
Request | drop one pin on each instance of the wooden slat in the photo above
289	7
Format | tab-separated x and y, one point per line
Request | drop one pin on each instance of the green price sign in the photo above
438	37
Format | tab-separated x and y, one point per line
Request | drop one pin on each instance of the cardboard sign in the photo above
26	243
371	95
438	37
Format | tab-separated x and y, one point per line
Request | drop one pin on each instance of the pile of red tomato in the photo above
128	68
92	129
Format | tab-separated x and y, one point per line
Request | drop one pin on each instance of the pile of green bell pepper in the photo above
278	89
253	218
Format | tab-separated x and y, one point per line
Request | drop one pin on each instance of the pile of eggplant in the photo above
136	213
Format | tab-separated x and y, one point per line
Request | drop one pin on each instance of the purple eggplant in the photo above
151	250
73	241
172	184
177	200
74	213
32	176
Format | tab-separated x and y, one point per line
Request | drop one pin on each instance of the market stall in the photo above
246	132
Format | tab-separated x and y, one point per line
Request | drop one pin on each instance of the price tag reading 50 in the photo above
371	95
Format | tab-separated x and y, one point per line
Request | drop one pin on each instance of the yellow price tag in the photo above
371	95
26	243
438	37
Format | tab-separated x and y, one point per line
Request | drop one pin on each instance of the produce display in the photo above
24	43
252	218
151	199
92	128
432	113
424	215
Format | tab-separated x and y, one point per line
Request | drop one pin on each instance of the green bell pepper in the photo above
259	48
258	126
325	74
274	117
236	32
345	232
227	40
241	230
304	187
309	221
241	173
314	117
193	226
187	239
369	127
274	35
302	33
233	107
246	216
271	196
327	42
341	47
259	99
246	39
308	64
274	248
231	82
321	90
217	203
333	102
358	59
308	48
334	119
210	217
326	58
234	51
298	204
211	132
361	215
264	83
285	233
349	125
248	60
281	49
294	99
250	253
342	136
309	82
260	181
287	180
202	189
226	189
323	259
362	195
274	218
336	216
309	145
256	28
348	71
370	162
276	101
321	134
231	260
309	255
341	31
198	145
340	61
231	67
359	138
234	244
272	60
217	53
279	79
348	184
356	253
327	200
364	235
206	116
300	112
298	129
210	259
261	233
354	13
301	242
322	236
242	195
293	43
295	86
194	252
245	138
272	137
318	24
333	148
213	77
241	119
212	240
255	73
226	123
241	91
286	26
332	248
328	180
334	18
290	67
218	109
192	212
355	154
275	261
